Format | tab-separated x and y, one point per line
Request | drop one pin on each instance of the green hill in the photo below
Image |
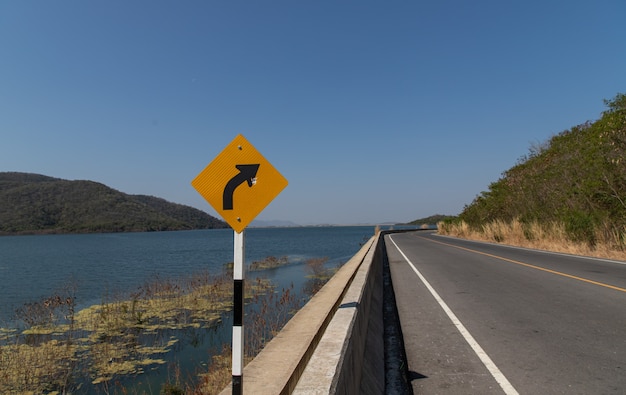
577	178
35	204
432	220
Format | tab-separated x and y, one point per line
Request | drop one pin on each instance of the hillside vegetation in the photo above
573	184
33	203
432	220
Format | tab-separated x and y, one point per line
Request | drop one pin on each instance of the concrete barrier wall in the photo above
362	349
350	356
280	365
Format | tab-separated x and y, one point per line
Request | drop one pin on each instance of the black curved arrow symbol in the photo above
246	173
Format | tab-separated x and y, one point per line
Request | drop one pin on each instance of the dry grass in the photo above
272	312
218	375
58	350
610	244
269	262
25	368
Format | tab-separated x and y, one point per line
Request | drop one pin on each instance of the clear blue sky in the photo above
374	111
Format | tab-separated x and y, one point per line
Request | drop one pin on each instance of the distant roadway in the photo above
479	318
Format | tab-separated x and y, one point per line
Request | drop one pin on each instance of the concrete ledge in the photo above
278	367
350	356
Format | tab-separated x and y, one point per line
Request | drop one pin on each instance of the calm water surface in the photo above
99	266
35	267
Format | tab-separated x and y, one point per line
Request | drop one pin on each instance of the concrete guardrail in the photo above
345	340
322	348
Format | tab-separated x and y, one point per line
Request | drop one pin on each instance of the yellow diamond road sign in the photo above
239	183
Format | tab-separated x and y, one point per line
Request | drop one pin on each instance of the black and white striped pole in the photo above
238	298
222	184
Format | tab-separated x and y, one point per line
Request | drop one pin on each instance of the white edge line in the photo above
506	386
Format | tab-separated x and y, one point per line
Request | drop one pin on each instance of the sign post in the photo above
238	298
239	183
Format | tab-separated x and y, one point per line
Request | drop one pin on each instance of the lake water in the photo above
35	267
99	266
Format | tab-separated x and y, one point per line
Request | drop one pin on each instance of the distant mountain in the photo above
432	220
37	204
272	223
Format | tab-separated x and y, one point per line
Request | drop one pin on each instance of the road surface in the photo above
479	318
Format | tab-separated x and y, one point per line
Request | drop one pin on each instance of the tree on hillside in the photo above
578	178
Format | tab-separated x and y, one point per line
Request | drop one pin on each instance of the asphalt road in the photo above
480	318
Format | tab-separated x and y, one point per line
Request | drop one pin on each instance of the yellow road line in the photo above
530	266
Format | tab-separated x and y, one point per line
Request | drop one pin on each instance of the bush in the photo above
580	227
